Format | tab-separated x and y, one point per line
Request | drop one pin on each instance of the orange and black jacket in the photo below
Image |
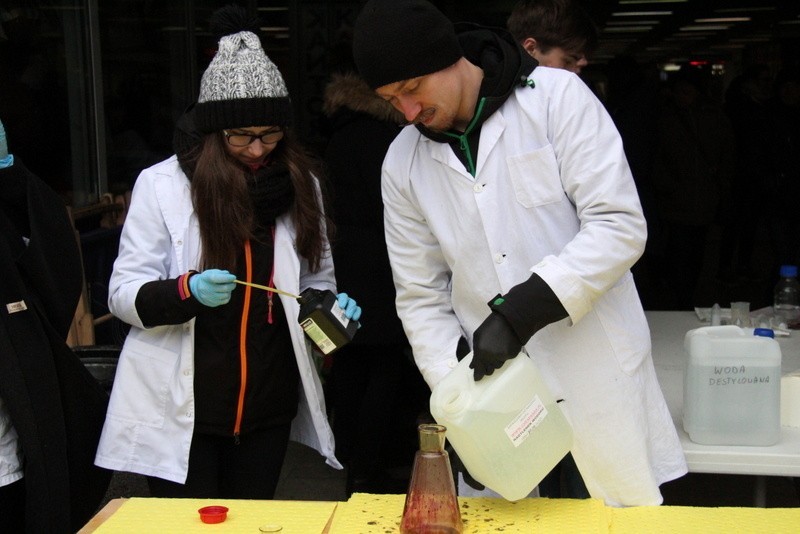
245	372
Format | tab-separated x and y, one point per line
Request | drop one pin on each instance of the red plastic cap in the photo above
213	514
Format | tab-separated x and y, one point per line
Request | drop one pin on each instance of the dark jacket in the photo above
56	406
362	128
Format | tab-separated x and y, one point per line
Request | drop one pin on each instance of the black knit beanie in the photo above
241	86
396	40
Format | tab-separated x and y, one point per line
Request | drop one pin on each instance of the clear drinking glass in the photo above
740	314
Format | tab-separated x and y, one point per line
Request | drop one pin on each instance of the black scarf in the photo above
272	192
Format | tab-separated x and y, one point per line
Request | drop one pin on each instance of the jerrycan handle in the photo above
456	398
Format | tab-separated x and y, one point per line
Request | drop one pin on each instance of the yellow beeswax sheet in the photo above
165	516
366	513
689	520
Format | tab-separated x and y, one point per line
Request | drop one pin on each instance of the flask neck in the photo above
431	438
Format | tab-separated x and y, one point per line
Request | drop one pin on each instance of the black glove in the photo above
462	349
494	342
515	317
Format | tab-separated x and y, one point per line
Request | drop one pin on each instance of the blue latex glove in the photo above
6	159
351	309
212	287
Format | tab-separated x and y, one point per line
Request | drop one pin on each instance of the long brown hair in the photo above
225	210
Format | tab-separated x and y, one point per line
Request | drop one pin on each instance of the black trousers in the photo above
12	506
220	468
564	481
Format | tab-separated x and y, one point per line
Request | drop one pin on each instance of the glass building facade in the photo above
90	89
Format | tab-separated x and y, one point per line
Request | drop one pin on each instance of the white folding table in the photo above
668	329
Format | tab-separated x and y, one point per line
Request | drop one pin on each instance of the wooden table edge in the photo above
104	513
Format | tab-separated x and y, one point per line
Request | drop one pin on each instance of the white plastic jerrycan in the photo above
731	389
506	428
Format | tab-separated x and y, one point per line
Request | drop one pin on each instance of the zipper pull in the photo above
269	309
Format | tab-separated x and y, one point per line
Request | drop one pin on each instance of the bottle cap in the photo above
213	514
764	332
788	271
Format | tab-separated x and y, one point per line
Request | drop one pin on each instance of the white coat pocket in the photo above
625	324
141	385
535	177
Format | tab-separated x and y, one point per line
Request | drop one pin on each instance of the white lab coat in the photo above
553	195
150	417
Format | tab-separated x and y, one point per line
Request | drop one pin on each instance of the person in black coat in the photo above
51	408
377	392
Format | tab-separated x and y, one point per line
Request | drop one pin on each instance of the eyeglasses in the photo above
242	139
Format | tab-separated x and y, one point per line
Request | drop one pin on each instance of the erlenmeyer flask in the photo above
431	503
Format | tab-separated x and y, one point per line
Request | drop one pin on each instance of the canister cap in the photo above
213	514
764	332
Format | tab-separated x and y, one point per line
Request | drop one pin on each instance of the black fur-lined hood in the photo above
349	92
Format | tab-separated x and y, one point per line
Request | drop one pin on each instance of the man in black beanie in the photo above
511	180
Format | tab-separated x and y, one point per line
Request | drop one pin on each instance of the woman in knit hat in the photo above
216	377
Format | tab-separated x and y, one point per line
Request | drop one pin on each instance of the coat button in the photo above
477	188
499	258
187	372
180	242
452	363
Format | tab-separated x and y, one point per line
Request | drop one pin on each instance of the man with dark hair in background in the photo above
557	33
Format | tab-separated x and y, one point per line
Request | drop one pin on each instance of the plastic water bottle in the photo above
787	297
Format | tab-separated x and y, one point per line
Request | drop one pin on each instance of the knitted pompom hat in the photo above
241	86
396	40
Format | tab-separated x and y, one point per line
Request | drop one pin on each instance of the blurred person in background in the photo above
692	174
376	390
557	33
51	408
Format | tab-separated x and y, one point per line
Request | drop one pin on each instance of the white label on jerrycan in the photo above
529	418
